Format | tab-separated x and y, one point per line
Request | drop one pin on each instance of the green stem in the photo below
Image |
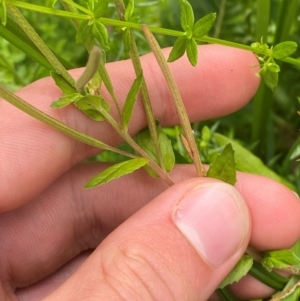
184	120
220	19
271	279
135	58
39	43
79	7
54	123
125	24
124	134
225	294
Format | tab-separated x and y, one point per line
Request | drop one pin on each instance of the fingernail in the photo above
214	219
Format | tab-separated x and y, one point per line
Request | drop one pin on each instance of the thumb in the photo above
178	247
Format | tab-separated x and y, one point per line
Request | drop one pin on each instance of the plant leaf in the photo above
143	139
204	25
284	49
101	35
100	8
130	101
64	85
239	271
127	39
247	162
186	16
129	10
83	32
281	259
192	51
3	13
178	49
291	292
88	103
116	171
270	78
65	100
224	167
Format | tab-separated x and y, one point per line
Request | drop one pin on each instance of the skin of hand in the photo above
133	238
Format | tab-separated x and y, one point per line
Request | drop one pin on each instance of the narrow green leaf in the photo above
186	16
3	13
88	104
100	34
65	86
100	8
280	259
224	167
65	100
247	162
204	25
284	49
178	49
239	271
143	139
205	133
291	292
83	32
116	171
192	51
126	39
270	78
130	101
129	10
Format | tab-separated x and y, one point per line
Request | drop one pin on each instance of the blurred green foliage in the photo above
236	21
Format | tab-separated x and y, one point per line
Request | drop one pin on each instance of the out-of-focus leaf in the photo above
65	86
205	134
100	34
284	49
116	171
88	104
83	32
130	101
144	140
101	8
280	259
3	14
178	49
129	10
186	16
192	51
247	162
239	271
224	167
204	25
291	292
65	100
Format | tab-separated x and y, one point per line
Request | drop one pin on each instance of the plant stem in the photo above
39	43
135	58
56	124
184	120
125	24
124	134
220	19
225	294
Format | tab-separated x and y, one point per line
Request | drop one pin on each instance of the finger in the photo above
30	148
66	219
179	246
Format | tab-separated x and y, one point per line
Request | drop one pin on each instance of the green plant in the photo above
152	147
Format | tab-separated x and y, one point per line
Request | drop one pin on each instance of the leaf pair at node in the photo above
269	68
93	28
192	31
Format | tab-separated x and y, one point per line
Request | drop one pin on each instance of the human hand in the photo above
140	230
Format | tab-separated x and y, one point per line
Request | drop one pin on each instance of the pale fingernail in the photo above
215	220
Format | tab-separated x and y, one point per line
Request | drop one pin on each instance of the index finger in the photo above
34	155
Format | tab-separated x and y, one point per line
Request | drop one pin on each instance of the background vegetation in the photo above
268	126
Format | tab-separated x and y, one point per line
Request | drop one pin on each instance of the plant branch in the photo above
124	134
56	124
135	58
184	120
